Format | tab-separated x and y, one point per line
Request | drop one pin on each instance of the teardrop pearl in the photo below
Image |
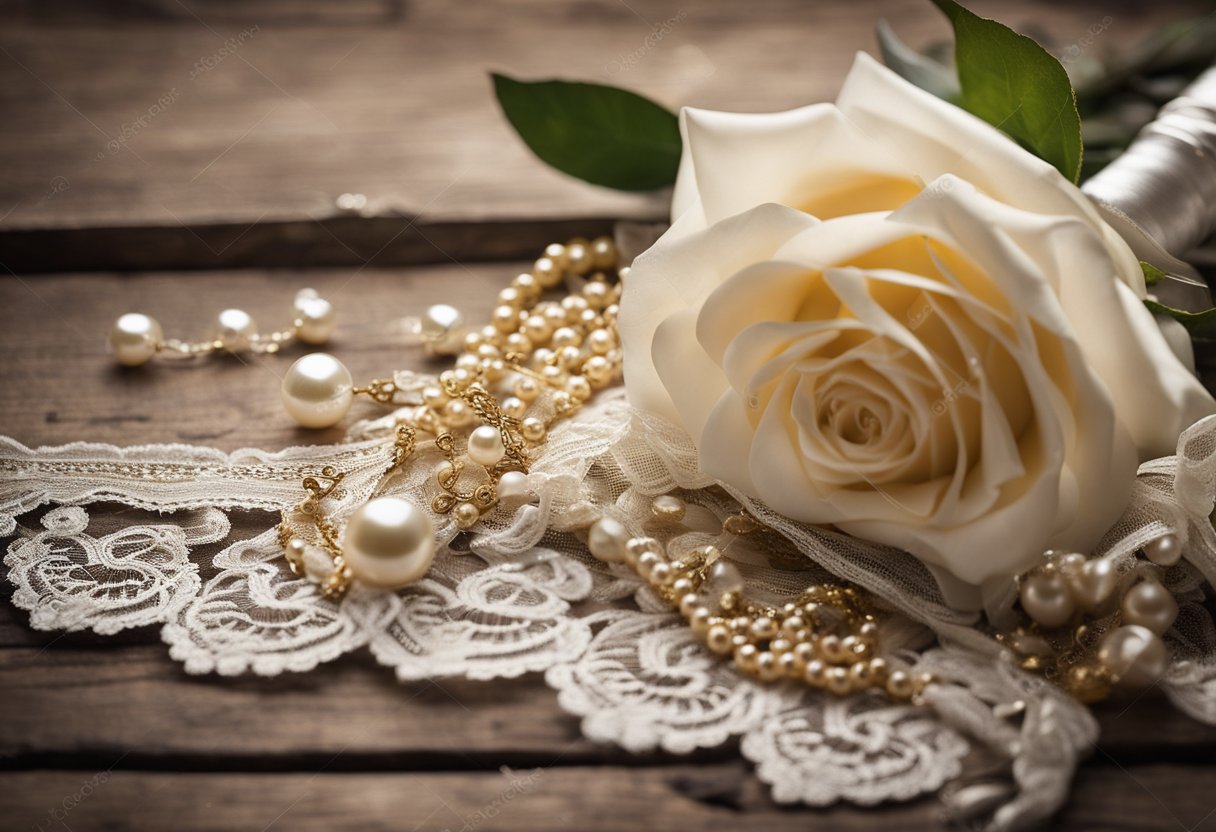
317	390
234	329
1046	598
388	542
1150	605
1135	655
485	446
135	339
315	318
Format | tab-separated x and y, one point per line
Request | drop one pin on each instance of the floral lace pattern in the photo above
525	597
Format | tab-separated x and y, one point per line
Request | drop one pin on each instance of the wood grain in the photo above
297	103
536	799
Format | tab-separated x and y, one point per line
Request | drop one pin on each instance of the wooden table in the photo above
236	179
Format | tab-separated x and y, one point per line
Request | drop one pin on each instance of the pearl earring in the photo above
135	337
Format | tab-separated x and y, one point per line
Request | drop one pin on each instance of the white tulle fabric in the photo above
519	594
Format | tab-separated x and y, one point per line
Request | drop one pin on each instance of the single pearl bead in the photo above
388	542
1135	655
317	390
668	507
1150	605
513	485
234	329
1094	583
724	577
607	539
485	446
442	328
466	515
1046	598
135	339
315	317
1164	551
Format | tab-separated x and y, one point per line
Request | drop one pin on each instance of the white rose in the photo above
886	316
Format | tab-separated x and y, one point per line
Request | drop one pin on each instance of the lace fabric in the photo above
520	594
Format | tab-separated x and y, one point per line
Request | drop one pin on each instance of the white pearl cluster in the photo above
135	338
1070	589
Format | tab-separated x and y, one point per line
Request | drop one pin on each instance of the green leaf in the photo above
604	135
1198	324
1152	274
1016	85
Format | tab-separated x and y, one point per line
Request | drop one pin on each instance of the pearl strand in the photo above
824	638
136	338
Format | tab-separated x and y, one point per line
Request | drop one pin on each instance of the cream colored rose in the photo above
931	341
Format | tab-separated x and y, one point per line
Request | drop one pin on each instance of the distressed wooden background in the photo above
180	157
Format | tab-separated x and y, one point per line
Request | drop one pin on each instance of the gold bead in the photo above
781	645
596	294
603	253
513	407
518	342
578	258
466	515
505	319
838	680
537	328
699	621
574	305
458	414
547	273
861	675
510	296
741	624
764	627
526	388
793	624
745	657
473	341
660	574
528	285
899	684
468	362
597	370
718	639
831	649
579	388
555	315
434	397
804	650
557	253
533	429
566	336
790	665
600	341
816	673
766	666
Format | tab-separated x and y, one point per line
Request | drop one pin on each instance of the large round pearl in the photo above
485	446
234	329
1164	551
1046	598
315	317
1094	583
135	338
388	542
317	390
606	539
513	485
1150	605
1135	655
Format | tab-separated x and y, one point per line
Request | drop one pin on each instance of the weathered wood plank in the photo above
677	798
183	135
58	383
142	703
